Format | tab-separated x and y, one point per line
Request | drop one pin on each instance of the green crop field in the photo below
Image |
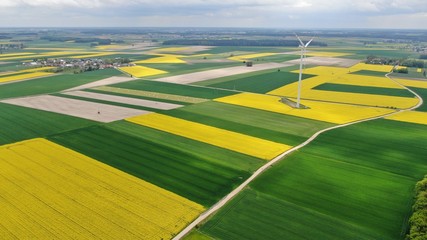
183	68
262	124
116	93
227	49
54	83
369	73
412	73
350	183
197	171
423	94
364	89
275	58
258	82
20	123
177	89
380	53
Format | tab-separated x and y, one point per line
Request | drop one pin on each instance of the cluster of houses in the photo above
80	65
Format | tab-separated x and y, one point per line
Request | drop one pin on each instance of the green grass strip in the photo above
154	95
20	123
175	89
203	176
364	89
369	73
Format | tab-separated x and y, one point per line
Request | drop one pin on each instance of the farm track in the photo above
262	169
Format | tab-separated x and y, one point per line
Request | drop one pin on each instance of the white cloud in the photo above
260	13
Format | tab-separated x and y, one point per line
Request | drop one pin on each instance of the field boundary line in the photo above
262	169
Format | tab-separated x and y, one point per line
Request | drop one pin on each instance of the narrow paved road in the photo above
236	191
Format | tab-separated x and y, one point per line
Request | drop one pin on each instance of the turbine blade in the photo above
306	45
299	39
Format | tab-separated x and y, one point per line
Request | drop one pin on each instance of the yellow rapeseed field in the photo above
322	111
24	76
51	192
140	71
238	142
150	94
55	49
371	67
413	83
44	55
342	76
325	71
367	81
411	117
107	47
251	56
166	58
200	55
15	54
361	99
39	69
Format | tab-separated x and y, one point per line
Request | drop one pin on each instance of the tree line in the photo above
418	220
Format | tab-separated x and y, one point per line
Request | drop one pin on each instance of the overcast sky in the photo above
215	13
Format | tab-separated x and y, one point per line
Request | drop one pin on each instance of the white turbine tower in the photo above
303	50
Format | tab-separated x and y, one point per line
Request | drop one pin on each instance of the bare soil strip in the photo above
77	108
126	100
103	82
327	61
223	72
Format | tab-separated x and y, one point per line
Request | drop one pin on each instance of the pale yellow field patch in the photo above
55	49
24	76
238	142
413	83
162	59
371	67
411	117
367	81
39	69
326	54
44	55
52	192
140	71
325	71
419	70
401	67
322	111
108	47
361	99
8	73
15	54
251	56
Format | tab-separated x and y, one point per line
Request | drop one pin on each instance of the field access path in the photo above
242	186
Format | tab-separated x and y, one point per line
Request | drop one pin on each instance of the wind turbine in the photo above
303	51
